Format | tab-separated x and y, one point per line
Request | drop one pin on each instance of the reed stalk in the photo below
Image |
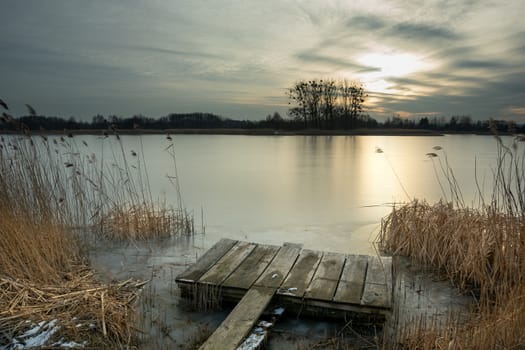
480	250
56	192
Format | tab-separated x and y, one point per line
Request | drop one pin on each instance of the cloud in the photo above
206	55
479	64
401	30
516	110
183	53
335	62
422	32
367	22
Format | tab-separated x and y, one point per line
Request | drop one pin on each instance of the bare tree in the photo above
327	103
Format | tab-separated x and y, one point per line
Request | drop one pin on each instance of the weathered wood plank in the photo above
194	272
240	321
379	270
378	283
352	281
228	263
278	269
326	278
301	274
252	267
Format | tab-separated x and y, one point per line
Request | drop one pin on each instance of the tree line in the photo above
273	121
462	123
312	112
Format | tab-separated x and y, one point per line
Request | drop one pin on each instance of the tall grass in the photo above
59	179
55	192
43	268
481	250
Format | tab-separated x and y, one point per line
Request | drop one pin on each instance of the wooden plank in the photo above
301	274
252	267
194	272
378	284
326	278
379	270
352	281
278	269
228	263
340	308
240	321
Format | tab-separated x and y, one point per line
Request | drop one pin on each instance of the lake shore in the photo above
249	132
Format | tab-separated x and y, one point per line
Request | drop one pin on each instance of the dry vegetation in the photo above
481	250
55	194
44	276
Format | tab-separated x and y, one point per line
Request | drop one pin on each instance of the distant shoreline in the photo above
247	132
259	132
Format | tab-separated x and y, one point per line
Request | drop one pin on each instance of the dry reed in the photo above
53	193
43	277
144	221
81	306
58	180
481	250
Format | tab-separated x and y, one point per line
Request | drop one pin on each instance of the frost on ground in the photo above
39	336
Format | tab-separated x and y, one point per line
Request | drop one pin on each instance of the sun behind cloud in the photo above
393	65
390	65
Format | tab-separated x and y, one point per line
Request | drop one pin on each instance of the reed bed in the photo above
38	252
499	326
56	193
44	278
84	310
143	221
61	180
480	250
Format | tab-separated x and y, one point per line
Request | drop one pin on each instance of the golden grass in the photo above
57	179
480	250
42	253
143	221
85	309
54	193
499	326
43	277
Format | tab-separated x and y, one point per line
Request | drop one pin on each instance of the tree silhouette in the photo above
327	103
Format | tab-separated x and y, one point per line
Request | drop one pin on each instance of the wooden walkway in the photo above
331	284
356	283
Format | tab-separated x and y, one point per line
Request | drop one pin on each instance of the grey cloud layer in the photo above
237	57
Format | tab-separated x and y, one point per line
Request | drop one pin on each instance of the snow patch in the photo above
38	336
279	311
257	336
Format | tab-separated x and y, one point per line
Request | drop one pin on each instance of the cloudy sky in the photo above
237	58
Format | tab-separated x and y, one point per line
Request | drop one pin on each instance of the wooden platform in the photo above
332	283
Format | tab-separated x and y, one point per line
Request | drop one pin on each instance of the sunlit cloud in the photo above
393	65
515	112
393	72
